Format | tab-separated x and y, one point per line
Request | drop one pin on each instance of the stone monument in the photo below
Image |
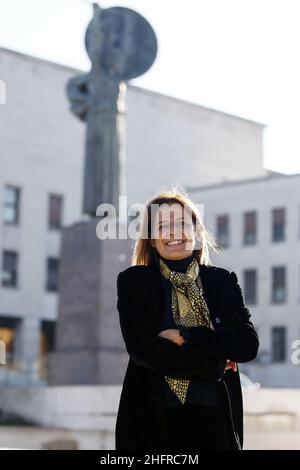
121	45
89	347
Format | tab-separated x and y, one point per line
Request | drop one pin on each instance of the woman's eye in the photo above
178	226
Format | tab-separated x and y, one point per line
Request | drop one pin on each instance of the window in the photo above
223	230
11	205
9	269
55	212
249	228
278	344
52	274
47	336
250	286
278	284
278	224
47	345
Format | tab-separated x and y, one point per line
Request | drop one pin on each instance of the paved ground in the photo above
19	437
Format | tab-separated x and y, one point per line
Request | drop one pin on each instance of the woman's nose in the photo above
176	231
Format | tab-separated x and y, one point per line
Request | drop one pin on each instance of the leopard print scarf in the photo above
189	308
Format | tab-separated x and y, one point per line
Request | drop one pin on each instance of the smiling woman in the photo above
176	229
185	325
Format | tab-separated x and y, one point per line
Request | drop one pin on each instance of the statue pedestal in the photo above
89	345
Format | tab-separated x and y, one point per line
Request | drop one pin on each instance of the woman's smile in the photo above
175	244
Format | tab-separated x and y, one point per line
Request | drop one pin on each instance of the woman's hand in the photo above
172	335
231	365
175	336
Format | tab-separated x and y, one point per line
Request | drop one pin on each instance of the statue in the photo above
121	45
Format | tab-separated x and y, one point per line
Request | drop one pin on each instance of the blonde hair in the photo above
144	252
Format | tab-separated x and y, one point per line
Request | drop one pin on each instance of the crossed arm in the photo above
175	335
205	353
146	348
239	343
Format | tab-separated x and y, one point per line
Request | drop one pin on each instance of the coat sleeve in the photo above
239	343
159	354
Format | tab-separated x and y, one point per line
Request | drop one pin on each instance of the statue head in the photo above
120	42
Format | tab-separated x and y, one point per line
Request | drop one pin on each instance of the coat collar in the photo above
157	289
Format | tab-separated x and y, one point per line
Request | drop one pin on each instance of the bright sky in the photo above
237	56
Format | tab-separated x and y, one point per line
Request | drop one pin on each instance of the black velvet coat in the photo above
140	423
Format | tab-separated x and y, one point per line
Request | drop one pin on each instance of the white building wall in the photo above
170	140
42	152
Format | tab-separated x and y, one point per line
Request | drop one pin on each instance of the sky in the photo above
237	56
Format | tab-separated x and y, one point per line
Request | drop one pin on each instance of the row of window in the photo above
250	229
10	261
8	328
10	278
278	344
12	202
12	197
278	285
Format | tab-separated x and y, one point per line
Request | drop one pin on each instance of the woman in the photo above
185	327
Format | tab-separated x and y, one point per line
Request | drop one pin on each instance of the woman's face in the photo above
174	233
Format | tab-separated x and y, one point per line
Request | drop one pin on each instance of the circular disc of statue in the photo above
120	42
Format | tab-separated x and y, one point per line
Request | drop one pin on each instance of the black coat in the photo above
140	423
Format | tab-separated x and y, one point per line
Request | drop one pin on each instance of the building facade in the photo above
257	224
168	141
